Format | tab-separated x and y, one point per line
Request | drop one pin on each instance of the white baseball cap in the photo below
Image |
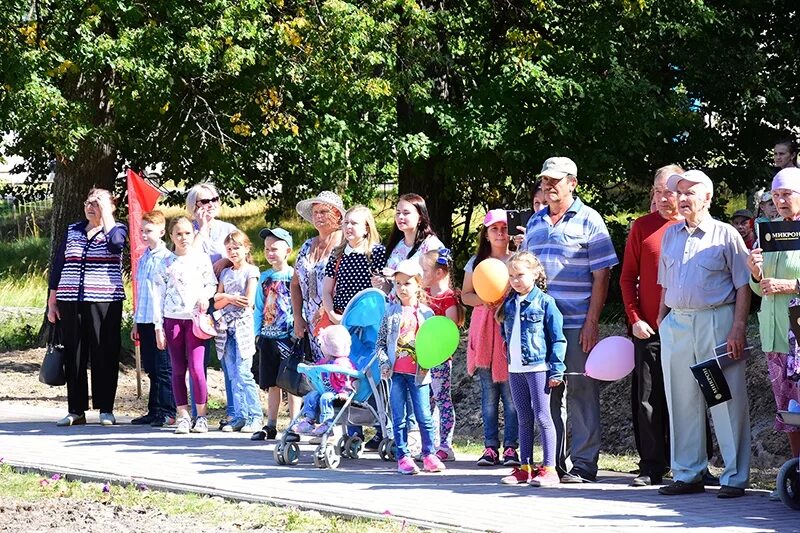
559	168
693	176
409	267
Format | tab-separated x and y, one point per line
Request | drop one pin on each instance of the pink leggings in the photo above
185	351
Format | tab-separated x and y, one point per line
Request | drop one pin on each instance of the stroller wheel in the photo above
353	447
319	457
277	453
291	454
341	446
332	458
788	484
386	449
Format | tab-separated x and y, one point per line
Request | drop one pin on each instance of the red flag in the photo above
142	197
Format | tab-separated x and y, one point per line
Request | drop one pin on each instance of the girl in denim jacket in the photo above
397	354
531	326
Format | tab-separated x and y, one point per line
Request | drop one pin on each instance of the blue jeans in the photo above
403	386
321	400
491	394
246	403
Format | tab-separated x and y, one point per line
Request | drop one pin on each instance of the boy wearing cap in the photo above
704	304
274	324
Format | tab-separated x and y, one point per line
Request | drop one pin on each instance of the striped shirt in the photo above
570	251
89	270
145	281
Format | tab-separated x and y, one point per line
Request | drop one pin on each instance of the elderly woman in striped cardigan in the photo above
86	295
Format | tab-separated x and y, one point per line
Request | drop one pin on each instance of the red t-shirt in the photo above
638	280
441	303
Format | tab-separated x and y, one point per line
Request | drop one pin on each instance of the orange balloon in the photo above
490	279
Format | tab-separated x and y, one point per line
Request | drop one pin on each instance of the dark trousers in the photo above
157	366
91	335
649	408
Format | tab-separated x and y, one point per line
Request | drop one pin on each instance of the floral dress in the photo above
311	276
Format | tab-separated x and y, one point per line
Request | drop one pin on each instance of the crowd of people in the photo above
687	282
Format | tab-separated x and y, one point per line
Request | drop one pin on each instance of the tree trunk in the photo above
426	177
93	166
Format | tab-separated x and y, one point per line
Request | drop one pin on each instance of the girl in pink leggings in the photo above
184	283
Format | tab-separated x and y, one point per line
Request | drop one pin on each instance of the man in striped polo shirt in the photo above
572	242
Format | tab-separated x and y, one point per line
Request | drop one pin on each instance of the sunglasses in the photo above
207	201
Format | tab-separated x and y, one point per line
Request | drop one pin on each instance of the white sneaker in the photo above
107	419
253	425
184	426
415	443
200	425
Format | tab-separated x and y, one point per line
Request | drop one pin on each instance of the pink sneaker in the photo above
445	455
517	476
431	463
546	478
406	466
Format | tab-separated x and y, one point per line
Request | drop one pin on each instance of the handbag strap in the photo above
336	272
53	335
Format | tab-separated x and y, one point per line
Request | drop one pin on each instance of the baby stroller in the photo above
362	318
788	482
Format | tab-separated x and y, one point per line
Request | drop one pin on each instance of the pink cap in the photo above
494	216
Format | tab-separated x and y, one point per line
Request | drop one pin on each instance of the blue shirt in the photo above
273	315
145	273
570	251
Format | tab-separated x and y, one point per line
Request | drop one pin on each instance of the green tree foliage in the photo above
459	101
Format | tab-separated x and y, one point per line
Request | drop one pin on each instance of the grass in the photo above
213	511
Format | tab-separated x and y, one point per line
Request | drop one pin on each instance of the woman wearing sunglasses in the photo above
202	205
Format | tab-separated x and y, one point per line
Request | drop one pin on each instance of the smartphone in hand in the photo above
517	217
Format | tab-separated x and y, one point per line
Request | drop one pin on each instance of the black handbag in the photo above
52	370
289	379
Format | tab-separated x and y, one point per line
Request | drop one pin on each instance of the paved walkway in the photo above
465	497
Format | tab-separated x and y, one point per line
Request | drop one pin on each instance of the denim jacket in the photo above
541	331
390	333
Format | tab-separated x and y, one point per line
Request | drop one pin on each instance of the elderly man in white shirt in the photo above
704	304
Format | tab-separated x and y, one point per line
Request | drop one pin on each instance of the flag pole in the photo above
138	357
142	197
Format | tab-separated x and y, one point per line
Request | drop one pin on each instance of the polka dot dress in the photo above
354	274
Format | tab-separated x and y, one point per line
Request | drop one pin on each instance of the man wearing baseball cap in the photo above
572	242
704	305
742	220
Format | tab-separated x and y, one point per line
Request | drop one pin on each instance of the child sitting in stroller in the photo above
335	345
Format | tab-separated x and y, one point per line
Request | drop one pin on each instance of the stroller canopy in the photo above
362	317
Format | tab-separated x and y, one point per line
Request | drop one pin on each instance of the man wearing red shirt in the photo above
641	295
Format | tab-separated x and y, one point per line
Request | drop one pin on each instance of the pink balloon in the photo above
611	359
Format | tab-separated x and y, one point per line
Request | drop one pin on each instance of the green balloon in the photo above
437	340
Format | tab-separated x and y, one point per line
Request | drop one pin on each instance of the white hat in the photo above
558	168
325	197
409	267
693	176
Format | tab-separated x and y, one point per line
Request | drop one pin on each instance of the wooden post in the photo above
138	358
